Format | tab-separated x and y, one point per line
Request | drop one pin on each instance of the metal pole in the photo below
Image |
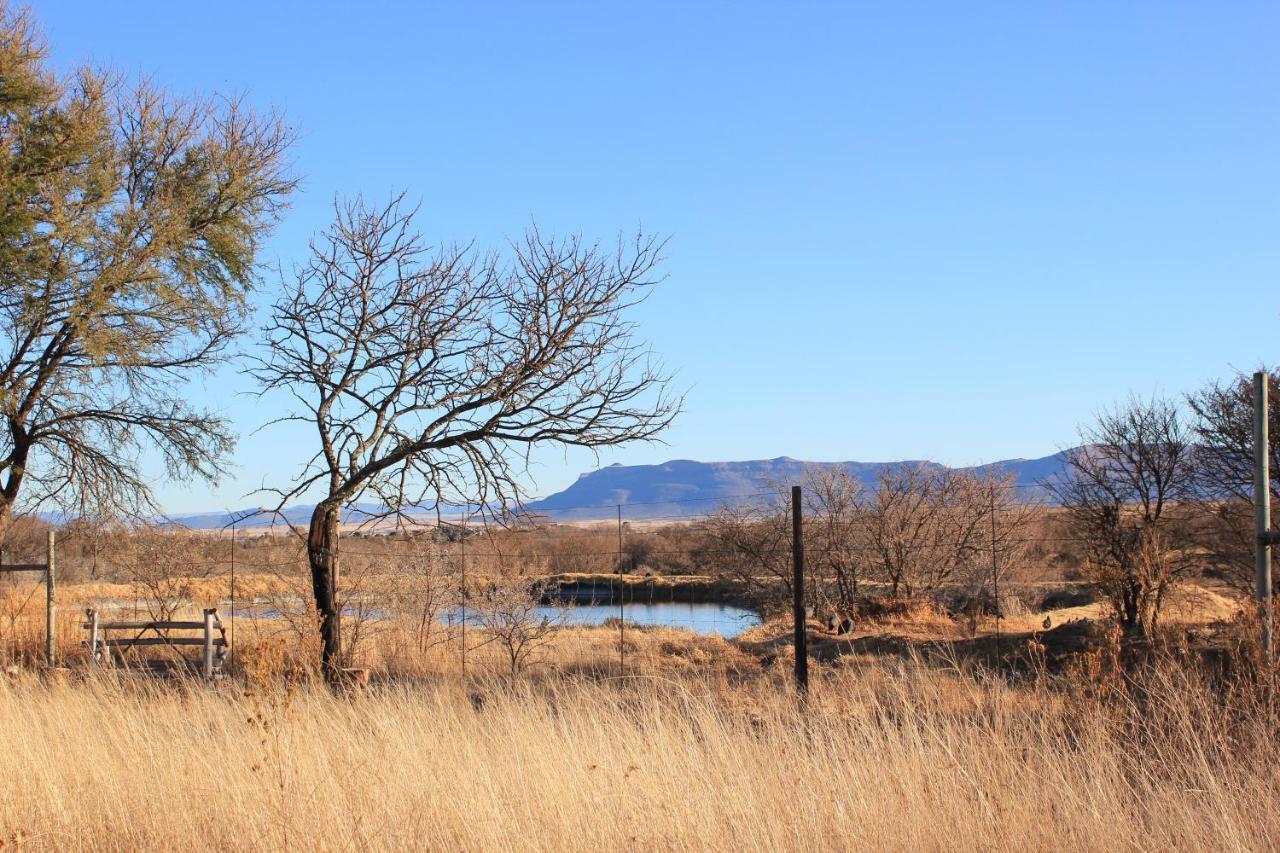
622	605
50	607
1262	508
797	591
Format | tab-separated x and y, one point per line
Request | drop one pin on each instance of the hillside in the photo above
679	488
684	487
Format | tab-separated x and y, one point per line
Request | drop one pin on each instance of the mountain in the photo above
683	487
680	488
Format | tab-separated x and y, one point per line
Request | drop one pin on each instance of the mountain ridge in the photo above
677	488
670	488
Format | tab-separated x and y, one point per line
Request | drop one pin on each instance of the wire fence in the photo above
578	588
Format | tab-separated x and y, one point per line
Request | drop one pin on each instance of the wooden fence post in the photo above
208	643
50	605
93	637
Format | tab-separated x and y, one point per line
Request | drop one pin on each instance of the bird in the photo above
1048	622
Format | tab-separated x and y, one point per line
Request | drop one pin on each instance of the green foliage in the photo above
129	228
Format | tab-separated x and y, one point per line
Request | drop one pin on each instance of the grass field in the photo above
881	757
905	742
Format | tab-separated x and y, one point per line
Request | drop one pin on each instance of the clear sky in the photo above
898	230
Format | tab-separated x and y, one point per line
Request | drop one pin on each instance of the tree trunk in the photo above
322	554
6	518
17	465
1131	615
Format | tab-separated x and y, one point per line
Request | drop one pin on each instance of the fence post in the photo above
462	561
1262	508
50	605
797	591
93	637
622	605
995	573
208	643
232	650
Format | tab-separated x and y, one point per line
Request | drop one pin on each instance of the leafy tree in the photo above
130	223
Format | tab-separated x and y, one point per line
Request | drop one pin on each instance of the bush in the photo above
1067	596
956	602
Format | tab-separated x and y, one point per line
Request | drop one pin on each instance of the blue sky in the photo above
898	230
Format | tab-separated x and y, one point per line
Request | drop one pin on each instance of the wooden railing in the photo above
106	649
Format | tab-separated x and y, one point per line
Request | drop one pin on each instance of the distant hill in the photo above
684	487
677	489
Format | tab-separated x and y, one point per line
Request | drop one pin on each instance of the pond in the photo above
724	620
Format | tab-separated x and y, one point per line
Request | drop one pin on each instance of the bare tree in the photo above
751	543
924	526
421	593
129	229
1126	492
1223	430
430	374
919	527
832	498
901	528
983	538
158	563
508	609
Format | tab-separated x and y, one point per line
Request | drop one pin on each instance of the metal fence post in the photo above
1262	508
797	591
995	573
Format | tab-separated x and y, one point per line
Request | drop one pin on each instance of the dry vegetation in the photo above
968	690
880	758
915	736
930	725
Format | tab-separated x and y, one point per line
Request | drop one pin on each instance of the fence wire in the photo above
558	589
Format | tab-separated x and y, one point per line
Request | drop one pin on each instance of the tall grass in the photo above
878	758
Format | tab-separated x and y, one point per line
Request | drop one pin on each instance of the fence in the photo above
602	596
647	587
47	572
171	635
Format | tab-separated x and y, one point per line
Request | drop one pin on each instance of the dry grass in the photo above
882	759
702	746
391	647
